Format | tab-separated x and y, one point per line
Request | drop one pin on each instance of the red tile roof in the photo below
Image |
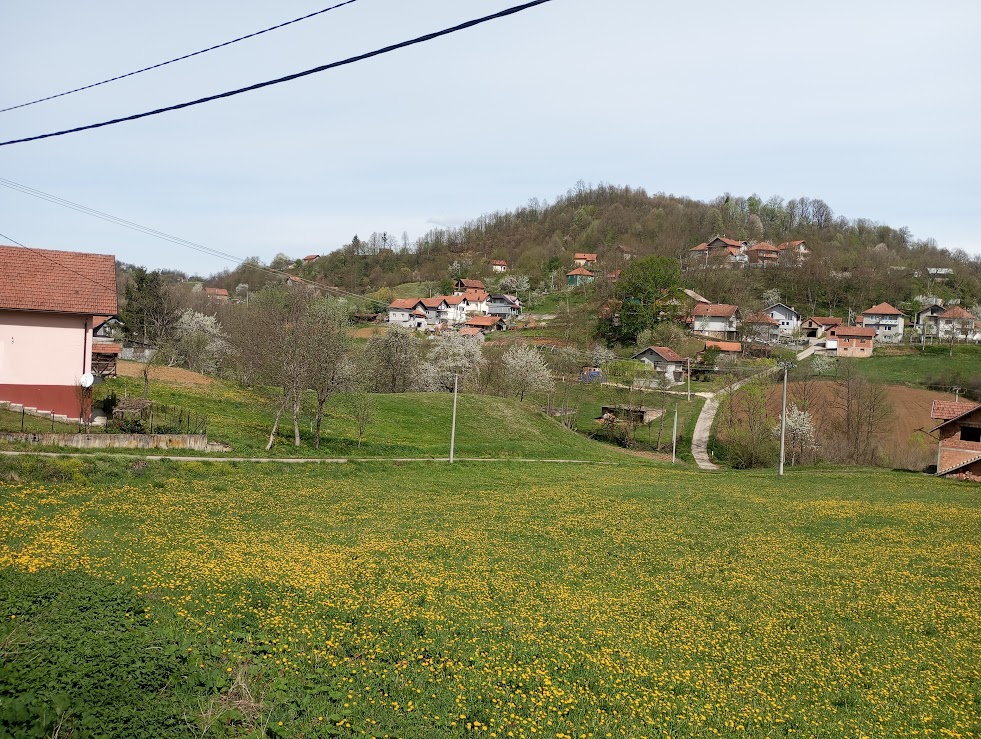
701	247
470	331
433	302
498	263
666	353
714	310
476	296
584	255
311	257
825	320
853	332
762	318
218	291
57	281
403	304
956	313
724	346
106	348
454	299
945	410
728	242
484	321
763	246
471	284
579	271
882	309
791	244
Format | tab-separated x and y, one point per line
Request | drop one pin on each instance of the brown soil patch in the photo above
171	375
366	332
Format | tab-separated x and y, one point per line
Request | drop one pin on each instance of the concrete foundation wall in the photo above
195	442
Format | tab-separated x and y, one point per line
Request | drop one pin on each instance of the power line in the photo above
47	256
180	58
287	78
40	194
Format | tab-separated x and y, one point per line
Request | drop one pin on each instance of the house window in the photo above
971	433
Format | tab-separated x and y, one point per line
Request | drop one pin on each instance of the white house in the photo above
498	265
716	319
786	317
888	322
959	322
456	308
408	313
476	301
665	361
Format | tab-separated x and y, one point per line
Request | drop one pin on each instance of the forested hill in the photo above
854	263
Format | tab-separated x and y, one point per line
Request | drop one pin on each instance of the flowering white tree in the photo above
198	342
600	355
515	284
800	434
451	354
525	371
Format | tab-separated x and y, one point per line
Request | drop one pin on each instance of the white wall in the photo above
44	348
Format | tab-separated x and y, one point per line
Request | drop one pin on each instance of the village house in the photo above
720	251
476	301
786	317
957	324
761	328
582	259
579	276
730	349
50	302
456	308
463	284
763	255
665	361
816	326
888	322
718	320
505	306
407	313
486	324
310	258
959	453
217	294
498	265
624	253
925	319
850	341
795	251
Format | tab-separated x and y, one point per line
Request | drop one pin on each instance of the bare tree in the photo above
329	368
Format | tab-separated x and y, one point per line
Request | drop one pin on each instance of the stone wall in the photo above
196	442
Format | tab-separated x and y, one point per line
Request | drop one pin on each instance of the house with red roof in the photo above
958	324
218	294
720	251
959	455
718	320
579	276
850	341
486	324
888	322
50	302
816	326
498	265
761	328
665	361
584	259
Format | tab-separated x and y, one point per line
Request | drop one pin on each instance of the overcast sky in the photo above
874	106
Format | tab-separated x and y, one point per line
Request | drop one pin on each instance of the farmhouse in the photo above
850	341
408	313
721	251
958	324
761	328
786	317
486	324
718	320
498	265
579	276
463	284
665	361
763	255
925	319
816	326
217	294
959	455
887	321
583	259
49	301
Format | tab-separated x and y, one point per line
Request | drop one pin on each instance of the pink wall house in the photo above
48	300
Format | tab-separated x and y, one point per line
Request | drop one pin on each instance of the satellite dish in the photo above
87	380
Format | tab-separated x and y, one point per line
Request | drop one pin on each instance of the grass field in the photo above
910	365
503	600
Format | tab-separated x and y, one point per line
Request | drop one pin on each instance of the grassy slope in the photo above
537	601
912	366
405	425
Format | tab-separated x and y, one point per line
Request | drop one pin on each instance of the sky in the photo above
873	106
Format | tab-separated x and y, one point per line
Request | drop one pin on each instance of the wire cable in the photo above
289	77
178	59
209	251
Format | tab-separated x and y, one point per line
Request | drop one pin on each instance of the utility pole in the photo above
456	379
783	414
674	438
688	360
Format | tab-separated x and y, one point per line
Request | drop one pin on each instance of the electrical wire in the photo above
289	77
180	58
54	199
